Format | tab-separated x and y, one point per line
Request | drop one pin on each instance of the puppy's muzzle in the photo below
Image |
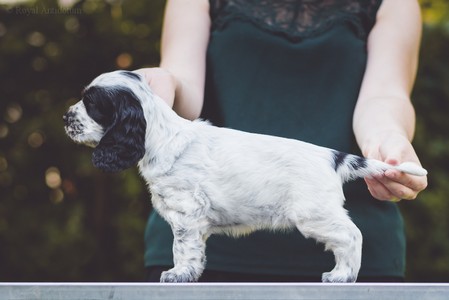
68	118
73	126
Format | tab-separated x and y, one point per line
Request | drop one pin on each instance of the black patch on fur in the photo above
339	159
119	112
131	75
98	106
358	163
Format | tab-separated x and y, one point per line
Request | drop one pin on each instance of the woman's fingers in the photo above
395	185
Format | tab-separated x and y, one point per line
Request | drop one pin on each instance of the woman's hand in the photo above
162	83
393	185
185	36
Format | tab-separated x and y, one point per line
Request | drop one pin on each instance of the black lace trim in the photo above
297	19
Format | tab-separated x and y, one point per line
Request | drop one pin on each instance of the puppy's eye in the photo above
98	111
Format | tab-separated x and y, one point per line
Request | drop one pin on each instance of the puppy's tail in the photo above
350	167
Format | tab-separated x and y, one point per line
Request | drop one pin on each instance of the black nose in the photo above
67	117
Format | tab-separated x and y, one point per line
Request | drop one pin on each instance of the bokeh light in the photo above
4	131
53	178
13	113
124	60
36	139
36	39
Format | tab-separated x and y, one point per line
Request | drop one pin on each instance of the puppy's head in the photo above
110	118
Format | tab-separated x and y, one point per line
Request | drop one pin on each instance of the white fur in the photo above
207	180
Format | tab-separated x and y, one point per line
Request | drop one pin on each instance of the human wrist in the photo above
371	143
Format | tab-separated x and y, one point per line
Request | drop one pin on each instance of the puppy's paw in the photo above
338	277
175	276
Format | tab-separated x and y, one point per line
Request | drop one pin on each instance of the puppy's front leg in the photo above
189	257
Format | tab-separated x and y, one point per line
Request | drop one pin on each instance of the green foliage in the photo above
426	219
435	12
62	220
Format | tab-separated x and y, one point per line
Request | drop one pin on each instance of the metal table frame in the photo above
235	291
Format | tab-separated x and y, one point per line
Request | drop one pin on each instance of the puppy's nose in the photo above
66	118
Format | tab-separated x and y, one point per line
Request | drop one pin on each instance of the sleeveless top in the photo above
291	68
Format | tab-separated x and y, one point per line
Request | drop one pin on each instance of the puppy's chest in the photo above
175	180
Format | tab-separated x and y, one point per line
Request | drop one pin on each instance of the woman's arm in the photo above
180	78
384	118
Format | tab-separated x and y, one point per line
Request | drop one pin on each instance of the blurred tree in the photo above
62	220
426	219
435	12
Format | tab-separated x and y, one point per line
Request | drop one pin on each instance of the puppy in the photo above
207	180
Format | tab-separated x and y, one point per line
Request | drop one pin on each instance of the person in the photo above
334	73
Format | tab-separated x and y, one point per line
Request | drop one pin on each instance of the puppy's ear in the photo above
123	143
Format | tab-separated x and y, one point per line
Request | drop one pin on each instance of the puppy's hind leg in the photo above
339	234
189	257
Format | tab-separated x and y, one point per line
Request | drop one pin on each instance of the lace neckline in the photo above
297	19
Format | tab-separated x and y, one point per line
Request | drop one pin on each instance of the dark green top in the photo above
291	68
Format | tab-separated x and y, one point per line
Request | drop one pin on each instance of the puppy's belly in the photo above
238	230
242	220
